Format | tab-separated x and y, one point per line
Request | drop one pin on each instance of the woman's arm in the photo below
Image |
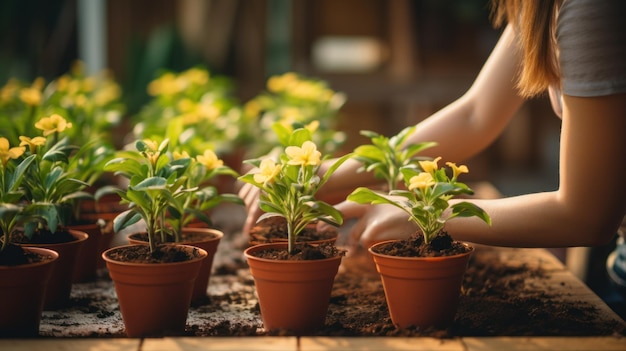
463	128
590	203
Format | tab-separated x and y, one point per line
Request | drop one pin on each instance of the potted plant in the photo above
24	272
154	282
294	281
385	156
189	218
50	190
92	105
422	275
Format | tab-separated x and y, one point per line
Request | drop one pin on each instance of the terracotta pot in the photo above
89	254
421	291
154	299
60	285
293	295
22	293
209	244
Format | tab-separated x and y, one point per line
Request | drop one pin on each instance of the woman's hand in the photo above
376	223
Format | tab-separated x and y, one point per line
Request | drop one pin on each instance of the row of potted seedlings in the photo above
171	193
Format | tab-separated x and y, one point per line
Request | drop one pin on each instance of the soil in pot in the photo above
142	254
274	229
441	245
302	251
15	255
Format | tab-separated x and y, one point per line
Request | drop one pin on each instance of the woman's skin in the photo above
588	206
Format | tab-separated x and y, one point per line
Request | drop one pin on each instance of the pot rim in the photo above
39	250
203	255
248	254
434	258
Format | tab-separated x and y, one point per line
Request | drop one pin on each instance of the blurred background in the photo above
396	62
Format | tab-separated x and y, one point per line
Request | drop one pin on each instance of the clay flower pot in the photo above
154	298
209	243
421	291
60	284
22	293
89	254
293	295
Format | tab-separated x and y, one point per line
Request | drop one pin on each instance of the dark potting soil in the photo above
415	246
142	254
14	255
302	251
274	229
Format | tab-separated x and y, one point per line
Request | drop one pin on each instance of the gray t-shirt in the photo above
591	37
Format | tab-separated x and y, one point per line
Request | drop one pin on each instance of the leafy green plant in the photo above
202	196
90	104
289	185
13	167
50	186
155	184
386	156
426	199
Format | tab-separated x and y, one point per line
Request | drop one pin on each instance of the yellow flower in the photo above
151	144
7	152
52	124
32	143
268	169
278	84
421	181
153	153
457	170
31	96
312	127
429	166
307	155
210	160
178	155
196	76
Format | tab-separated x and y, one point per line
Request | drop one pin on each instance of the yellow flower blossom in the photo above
178	155
9	90
7	153
429	166
268	169
196	76
312	127
32	143
52	124
421	181
210	160
307	155
31	96
151	144
278	84
457	170
38	83
153	153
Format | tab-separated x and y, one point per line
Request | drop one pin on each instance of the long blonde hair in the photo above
535	21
